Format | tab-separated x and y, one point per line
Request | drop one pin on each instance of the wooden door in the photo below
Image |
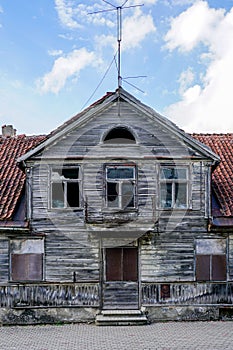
120	288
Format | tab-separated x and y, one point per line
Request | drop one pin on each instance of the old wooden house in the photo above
117	216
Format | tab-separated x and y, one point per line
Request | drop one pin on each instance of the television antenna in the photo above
118	9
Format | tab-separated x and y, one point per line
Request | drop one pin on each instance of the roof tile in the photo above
222	177
12	179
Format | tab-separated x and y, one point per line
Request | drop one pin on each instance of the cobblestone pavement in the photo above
164	336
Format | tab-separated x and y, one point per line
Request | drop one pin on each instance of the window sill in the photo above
119	211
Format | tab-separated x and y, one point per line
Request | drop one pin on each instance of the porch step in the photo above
121	318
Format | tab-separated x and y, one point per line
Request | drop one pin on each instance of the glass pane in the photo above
166	195
73	194
181	173
70	173
120	173
167	173
112	195
127	195
58	195
173	173
180	195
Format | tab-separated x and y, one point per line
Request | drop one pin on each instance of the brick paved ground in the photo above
163	336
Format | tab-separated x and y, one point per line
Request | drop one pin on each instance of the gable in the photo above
157	136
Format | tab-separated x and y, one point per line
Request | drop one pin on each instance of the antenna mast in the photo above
119	38
119	31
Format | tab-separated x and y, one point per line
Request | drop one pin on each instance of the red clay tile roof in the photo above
12	179
222	177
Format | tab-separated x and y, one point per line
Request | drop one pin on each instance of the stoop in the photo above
121	318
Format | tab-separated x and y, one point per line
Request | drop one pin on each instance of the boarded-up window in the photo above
26	267
121	264
211	260
27	260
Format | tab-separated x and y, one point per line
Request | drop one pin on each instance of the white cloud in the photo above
186	79
136	28
65	67
206	106
67	13
55	52
193	26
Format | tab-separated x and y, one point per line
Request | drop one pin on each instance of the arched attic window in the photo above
119	135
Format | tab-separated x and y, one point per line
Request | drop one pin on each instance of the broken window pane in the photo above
65	187
58	195
127	195
73	194
173	187
180	195
113	194
120	191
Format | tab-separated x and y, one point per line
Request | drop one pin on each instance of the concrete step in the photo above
121	318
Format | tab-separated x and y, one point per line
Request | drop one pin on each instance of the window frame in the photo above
173	182
26	256
208	254
119	181
64	182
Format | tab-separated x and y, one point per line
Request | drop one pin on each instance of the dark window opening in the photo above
65	187
119	135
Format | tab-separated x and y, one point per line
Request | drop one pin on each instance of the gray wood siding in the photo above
70	246
230	262
4	260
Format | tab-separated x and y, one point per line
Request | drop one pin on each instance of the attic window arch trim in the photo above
119	134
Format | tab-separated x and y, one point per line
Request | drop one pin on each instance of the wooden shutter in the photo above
26	267
219	267
113	264
130	264
203	267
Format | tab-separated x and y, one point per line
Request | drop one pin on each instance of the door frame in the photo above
103	280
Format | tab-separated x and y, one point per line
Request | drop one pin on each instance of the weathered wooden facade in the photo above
119	213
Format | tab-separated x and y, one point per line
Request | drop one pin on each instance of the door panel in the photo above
113	264
121	264
130	265
120	289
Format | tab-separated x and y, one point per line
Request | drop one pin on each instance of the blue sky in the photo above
54	54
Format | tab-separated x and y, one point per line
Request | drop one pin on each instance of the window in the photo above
210	260
65	187
174	187
120	187
27	260
119	135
